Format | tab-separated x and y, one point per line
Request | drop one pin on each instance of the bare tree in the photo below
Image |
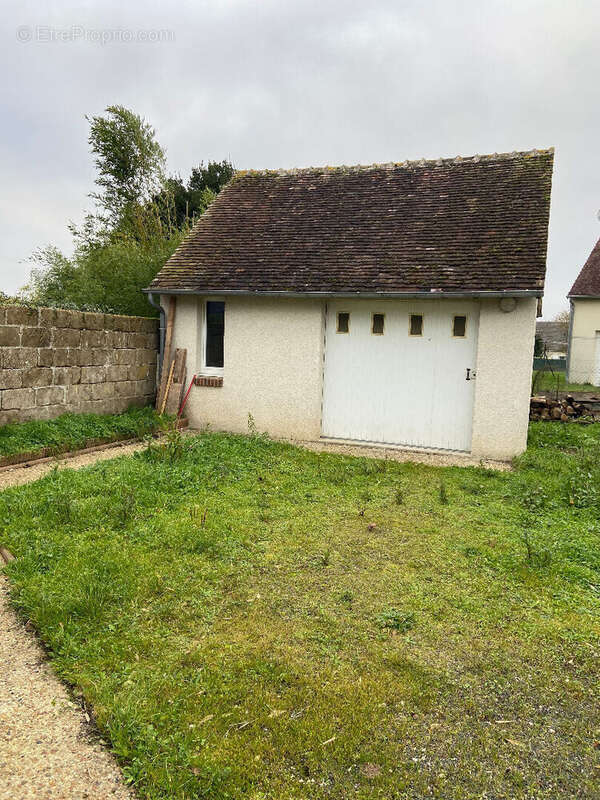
563	316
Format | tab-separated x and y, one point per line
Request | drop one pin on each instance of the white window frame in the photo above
212	372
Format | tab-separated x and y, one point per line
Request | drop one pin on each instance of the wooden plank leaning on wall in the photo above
164	375
174	397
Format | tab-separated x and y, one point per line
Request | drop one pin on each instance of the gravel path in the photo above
398	454
15	476
48	750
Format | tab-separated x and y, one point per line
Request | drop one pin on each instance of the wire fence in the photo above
550	364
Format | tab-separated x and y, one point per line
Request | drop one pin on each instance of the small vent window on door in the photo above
214	330
415	325
343	322
377	324
459	327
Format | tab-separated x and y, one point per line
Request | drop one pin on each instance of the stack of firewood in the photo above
567	409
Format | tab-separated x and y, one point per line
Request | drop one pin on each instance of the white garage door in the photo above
396	372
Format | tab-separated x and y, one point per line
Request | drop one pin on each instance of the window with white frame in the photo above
213	332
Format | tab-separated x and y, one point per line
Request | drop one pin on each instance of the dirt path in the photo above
48	751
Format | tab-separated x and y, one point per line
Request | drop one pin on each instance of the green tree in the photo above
213	176
109	277
130	162
140	219
183	202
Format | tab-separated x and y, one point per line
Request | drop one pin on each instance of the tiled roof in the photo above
452	225
588	280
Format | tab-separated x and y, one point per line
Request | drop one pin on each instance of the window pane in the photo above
378	323
416	324
343	322
215	328
460	326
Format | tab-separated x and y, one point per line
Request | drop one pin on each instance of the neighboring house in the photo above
583	364
554	336
390	304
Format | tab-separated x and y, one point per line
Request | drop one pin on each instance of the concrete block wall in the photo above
55	360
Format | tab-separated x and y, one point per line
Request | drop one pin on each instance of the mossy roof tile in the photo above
450	225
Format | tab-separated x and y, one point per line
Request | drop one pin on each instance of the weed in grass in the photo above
399	496
64	507
346	597
582	488
252	429
197	516
396	619
172	449
443	494
534	499
535	557
175	445
125	507
374	466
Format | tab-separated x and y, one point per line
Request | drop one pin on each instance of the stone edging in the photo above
48	453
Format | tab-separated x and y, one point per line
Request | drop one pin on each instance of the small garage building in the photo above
391	304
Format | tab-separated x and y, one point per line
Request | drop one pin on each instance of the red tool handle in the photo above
180	412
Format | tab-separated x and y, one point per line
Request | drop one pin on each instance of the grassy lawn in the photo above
543	381
250	620
72	431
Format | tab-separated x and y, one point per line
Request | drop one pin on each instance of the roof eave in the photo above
365	295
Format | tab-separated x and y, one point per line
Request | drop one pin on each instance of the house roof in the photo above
554	335
587	283
462	225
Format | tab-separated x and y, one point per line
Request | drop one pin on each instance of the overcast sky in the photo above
276	83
